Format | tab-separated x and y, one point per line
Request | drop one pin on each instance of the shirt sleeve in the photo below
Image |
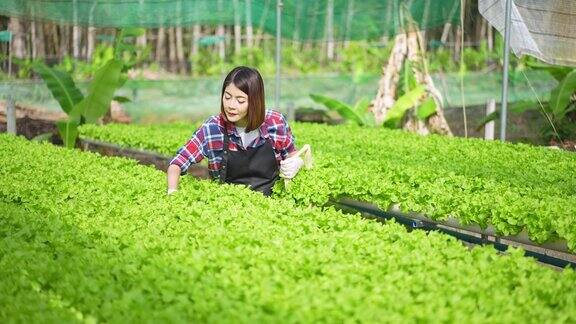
288	145
192	152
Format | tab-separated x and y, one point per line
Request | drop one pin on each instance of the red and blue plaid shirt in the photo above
208	141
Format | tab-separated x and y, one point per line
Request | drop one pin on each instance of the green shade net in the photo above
301	19
5	36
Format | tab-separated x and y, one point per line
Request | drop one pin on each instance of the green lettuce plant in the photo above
509	186
111	246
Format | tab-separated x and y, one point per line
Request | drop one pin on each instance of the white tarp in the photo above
545	29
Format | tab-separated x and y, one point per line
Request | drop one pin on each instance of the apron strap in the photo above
222	171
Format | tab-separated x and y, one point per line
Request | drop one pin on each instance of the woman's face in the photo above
235	103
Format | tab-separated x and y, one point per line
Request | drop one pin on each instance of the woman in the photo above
245	143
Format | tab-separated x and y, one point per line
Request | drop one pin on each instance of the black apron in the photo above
256	167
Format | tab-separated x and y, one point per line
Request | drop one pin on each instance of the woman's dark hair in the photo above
250	82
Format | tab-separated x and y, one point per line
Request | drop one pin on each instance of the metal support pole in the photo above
503	112
278	52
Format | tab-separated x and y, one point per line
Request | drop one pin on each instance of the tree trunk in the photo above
408	46
90	41
55	40
180	51
385	97
330	31
249	29
41	46
76	39
84	44
196	33
33	38
435	123
237	28
160	50
490	37
445	33
64	41
220	32
172	50
349	19
479	29
18	38
457	44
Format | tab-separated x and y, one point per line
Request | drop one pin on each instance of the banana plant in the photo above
557	110
87	109
412	95
360	115
408	101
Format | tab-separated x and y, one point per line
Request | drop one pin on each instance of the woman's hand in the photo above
290	167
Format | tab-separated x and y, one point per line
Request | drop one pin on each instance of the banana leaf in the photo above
61	86
68	130
426	109
407	81
101	91
557	72
561	95
122	99
361	109
403	104
361	106
343	109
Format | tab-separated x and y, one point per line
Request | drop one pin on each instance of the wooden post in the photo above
489	127
11	116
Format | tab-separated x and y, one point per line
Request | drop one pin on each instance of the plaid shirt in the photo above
208	141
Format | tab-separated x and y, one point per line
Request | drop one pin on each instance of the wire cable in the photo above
542	108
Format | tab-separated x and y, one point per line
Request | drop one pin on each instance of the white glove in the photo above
171	191
290	167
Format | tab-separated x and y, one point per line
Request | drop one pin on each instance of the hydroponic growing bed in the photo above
510	188
97	239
